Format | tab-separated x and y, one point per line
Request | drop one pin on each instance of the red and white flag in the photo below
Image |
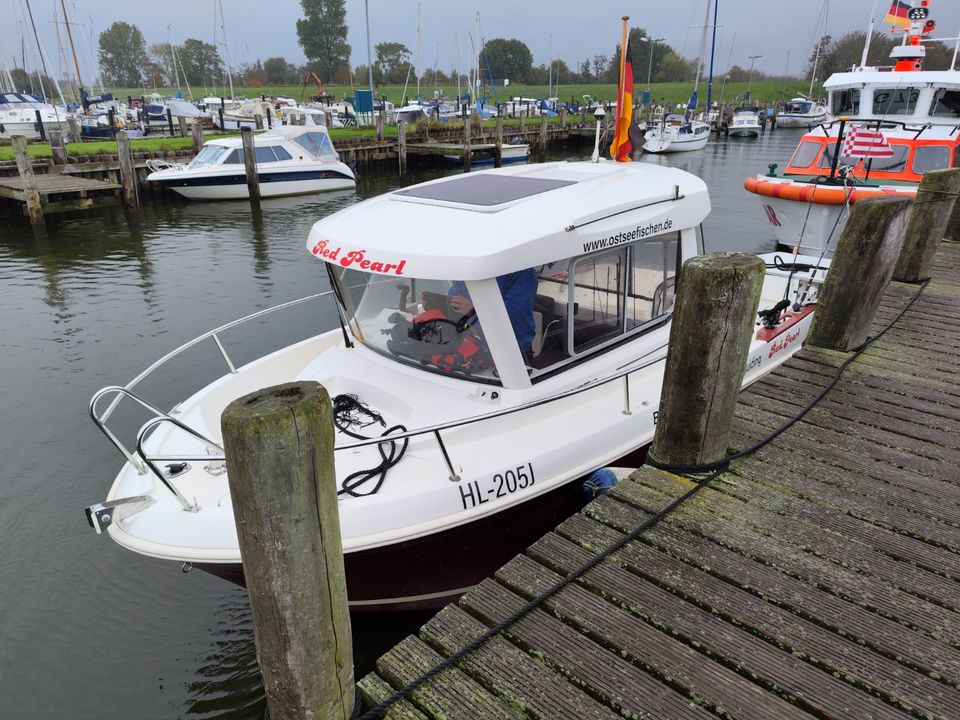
865	143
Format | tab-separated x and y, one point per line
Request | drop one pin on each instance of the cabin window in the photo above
316	143
946	103
826	160
281	153
805	154
414	321
895	101
845	102
234	158
930	157
265	154
895	164
587	302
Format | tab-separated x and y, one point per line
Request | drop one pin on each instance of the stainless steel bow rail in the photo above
100	515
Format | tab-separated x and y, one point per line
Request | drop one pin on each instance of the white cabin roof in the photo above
921	78
485	224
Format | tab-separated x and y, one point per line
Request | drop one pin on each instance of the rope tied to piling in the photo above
710	471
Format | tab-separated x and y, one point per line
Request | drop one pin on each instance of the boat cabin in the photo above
280	144
913	97
522	288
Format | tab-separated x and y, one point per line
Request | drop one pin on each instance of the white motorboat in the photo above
801	112
246	116
488	374
515	151
746	123
676	133
291	160
18	116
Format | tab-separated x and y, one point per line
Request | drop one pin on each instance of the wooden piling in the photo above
182	123
250	166
717	296
498	141
929	218
859	273
258	120
563	118
74	125
381	123
40	128
523	125
169	122
197	134
467	154
30	192
542	142
58	150
128	176
402	146
279	450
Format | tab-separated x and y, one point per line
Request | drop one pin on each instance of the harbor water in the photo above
87	629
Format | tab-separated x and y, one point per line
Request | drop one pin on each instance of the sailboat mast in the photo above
418	51
73	50
456	41
703	46
43	55
713	47
816	58
226	49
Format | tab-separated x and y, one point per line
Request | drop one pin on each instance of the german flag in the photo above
897	15
622	147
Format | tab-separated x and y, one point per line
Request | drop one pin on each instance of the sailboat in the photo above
682	133
803	111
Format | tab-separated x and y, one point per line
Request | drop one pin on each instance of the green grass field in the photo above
672	93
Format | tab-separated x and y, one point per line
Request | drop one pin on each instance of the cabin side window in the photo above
895	101
845	102
234	158
946	103
805	154
587	302
930	157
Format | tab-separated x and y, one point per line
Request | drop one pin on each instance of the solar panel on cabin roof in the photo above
485	190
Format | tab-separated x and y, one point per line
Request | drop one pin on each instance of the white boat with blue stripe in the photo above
291	160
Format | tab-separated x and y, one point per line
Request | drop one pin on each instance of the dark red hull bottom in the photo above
433	571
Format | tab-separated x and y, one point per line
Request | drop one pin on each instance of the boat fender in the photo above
599	482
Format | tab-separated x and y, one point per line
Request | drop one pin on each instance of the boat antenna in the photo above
866	42
956	46
598	114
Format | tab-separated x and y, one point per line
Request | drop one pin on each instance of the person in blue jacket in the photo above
518	290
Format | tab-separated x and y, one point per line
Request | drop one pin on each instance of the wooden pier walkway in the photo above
817	578
60	193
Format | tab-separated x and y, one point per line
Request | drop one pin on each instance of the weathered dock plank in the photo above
816	578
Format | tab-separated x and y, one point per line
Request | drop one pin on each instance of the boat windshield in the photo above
895	101
845	102
896	163
946	103
316	143
425	323
208	155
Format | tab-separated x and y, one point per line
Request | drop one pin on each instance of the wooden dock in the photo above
60	193
817	578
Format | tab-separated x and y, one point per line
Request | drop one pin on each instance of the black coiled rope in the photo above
349	412
714	470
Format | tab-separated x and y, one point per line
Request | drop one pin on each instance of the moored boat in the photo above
745	123
487	374
20	114
800	112
890	127
291	160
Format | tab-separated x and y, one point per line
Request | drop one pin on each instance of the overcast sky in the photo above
261	29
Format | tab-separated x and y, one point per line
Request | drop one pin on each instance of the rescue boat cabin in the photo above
546	267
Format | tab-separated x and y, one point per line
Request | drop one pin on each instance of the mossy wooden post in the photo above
197	134
542	143
717	296
58	150
250	166
859	273
279	450
74	129
381	122
498	143
128	176
169	122
523	123
25	168
467	152
929	218
402	146
182	123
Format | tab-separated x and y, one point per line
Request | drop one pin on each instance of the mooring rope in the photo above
713	470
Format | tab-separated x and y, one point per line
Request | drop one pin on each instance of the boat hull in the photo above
234	187
431	572
744	131
675	146
29	129
800	121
